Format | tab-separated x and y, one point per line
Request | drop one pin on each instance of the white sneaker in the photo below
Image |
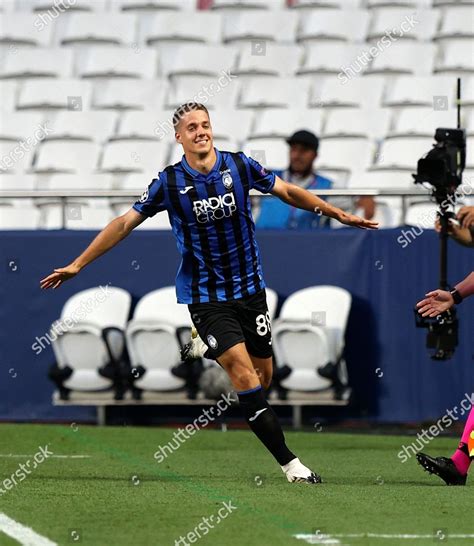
296	472
196	348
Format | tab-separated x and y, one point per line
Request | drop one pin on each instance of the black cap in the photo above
306	138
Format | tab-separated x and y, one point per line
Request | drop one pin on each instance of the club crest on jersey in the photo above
227	180
212	341
144	196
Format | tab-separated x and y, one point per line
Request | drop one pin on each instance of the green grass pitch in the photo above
120	495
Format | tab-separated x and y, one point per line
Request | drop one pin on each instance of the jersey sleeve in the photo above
260	179
152	199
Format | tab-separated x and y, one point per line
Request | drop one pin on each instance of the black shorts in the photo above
223	324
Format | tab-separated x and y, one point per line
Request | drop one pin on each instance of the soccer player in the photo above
220	277
452	470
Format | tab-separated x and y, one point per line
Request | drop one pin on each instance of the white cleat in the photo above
196	348
297	472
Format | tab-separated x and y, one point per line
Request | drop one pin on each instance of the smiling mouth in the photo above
201	141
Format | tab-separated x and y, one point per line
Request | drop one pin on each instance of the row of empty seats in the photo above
349	25
347	61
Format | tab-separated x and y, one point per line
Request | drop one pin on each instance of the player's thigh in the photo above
238	364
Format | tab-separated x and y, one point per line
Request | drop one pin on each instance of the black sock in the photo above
264	423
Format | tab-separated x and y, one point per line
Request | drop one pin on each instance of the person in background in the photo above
304	147
461	231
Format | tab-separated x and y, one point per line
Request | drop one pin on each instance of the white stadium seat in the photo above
347	25
422	121
395	179
270	153
93	126
19	218
345	154
356	122
77	182
455	57
457	22
13	159
357	92
20	125
398	3
18	182
77	5
257	28
8	94
117	62
37	63
98	28
346	4
147	125
402	152
214	93
200	59
407	24
248	4
326	57
278	123
154	5
272	302
152	339
23	29
67	157
83	217
404	58
467	96
42	94
419	91
82	344
421	215
171	26
124	156
279	60
229	124
129	94
274	92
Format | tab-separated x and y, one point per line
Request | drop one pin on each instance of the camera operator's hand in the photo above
435	303
466	217
461	235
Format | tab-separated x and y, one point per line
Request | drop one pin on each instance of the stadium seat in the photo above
274	92
148	6
20	125
148	125
248	4
42	94
420	91
356	122
92	126
346	25
278	123
345	154
8	95
77	182
398	3
98	28
7	6
77	5
74	157
388	19
279	60
231	124
128	156
326	57
117	62
130	94
457	22
402	153
205	89
18	182
314	321
88	348
153	340
272	302
359	92
454	59
270	153
171	26
421	215
21	217
255	29
197	59
422	121
22	29
404	58
467	95
11	162
29	62
306	4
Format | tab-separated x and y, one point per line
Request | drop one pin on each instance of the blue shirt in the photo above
274	214
211	218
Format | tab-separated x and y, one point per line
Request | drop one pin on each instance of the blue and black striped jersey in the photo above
211	218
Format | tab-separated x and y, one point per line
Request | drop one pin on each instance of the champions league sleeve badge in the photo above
144	196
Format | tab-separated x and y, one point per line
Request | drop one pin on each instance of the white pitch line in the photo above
15	456
333	539
24	535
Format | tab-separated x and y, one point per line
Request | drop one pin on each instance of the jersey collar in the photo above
195	173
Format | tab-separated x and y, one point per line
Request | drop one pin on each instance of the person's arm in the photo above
439	301
112	234
303	199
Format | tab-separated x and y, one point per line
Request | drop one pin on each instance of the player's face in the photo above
194	132
301	158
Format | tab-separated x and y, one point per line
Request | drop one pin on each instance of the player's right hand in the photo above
435	303
59	276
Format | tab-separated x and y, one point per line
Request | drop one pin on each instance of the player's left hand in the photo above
357	221
435	303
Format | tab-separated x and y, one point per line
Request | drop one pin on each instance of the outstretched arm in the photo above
112	234
439	301
303	199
